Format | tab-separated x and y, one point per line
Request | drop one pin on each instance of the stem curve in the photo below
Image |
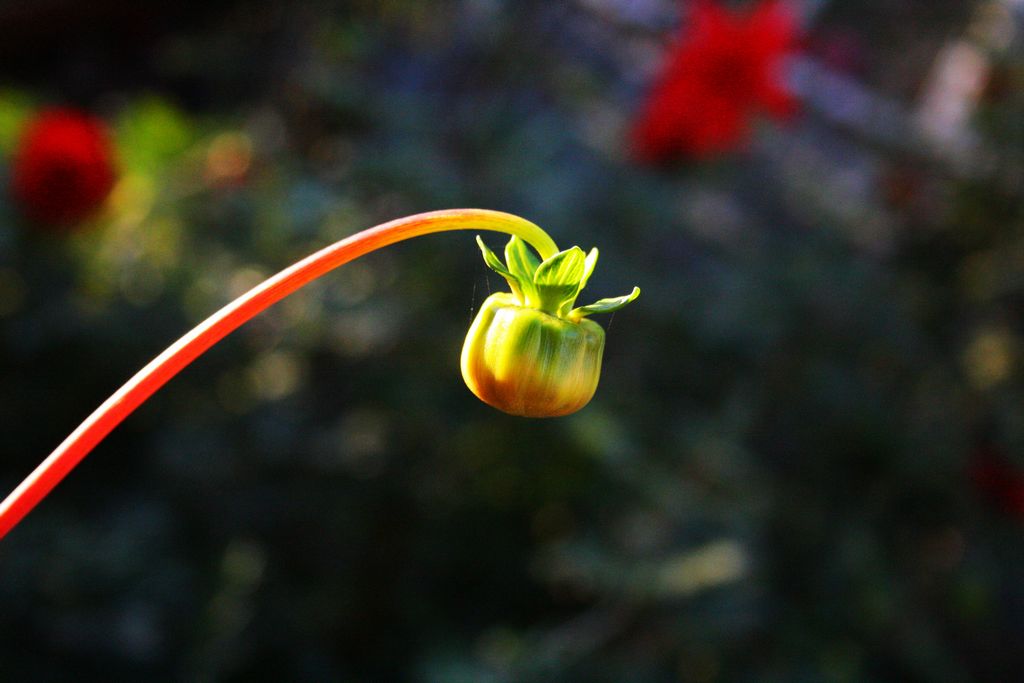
157	372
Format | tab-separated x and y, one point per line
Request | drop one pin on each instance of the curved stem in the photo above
162	368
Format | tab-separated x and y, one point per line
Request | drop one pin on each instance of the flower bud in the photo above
529	352
526	362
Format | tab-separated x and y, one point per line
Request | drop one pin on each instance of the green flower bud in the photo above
529	352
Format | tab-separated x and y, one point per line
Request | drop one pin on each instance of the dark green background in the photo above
773	482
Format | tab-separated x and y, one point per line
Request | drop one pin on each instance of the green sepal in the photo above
522	263
495	264
604	305
588	267
557	280
520	258
553	284
564	268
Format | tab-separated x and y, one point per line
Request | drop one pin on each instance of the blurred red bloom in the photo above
998	481
724	69
63	168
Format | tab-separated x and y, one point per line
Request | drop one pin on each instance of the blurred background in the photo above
805	461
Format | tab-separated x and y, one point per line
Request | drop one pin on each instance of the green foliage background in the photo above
772	483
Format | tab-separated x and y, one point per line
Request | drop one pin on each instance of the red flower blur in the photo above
63	168
997	480
725	68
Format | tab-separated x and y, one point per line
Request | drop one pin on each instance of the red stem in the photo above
51	471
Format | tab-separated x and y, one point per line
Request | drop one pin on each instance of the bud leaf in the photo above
604	305
495	264
557	280
564	268
521	259
523	264
588	267
554	284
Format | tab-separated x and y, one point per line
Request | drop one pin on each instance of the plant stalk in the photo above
136	390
